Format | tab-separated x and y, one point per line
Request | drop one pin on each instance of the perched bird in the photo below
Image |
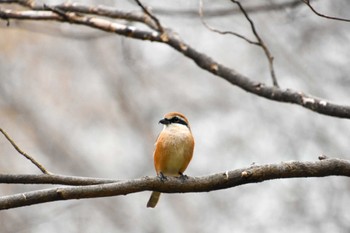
173	149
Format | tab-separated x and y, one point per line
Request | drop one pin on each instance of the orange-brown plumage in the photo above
173	149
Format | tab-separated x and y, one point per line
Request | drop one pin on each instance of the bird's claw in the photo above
183	177
162	177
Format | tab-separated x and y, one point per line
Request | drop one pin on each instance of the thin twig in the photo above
147	12
219	31
261	42
223	12
36	163
307	2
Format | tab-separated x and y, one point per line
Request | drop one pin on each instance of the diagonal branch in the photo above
224	180
307	2
155	19
202	60
36	163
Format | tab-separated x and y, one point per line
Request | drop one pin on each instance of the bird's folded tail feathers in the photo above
153	200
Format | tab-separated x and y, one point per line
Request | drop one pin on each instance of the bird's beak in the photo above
164	121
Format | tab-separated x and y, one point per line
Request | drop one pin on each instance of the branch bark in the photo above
30	158
74	16
52	179
223	180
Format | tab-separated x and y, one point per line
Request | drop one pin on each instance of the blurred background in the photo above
87	103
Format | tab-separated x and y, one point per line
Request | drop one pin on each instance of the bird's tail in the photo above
153	200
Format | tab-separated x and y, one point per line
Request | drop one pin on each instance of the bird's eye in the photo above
177	120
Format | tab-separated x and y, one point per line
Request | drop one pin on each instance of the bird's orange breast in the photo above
173	152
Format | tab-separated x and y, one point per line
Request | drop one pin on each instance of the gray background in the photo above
87	103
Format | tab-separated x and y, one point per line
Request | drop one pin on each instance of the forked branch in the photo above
75	16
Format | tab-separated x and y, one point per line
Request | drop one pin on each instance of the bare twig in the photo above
262	7
261	43
201	16
307	2
36	163
147	12
223	180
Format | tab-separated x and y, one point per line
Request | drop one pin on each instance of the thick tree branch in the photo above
172	39
100	10
51	179
224	180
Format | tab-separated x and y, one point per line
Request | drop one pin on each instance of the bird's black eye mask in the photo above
175	119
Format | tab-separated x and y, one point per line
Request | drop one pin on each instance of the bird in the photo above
173	150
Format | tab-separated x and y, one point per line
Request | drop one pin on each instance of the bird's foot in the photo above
183	177
162	177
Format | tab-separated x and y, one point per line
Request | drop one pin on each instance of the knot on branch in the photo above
246	174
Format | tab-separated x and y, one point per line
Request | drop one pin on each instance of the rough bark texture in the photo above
224	180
